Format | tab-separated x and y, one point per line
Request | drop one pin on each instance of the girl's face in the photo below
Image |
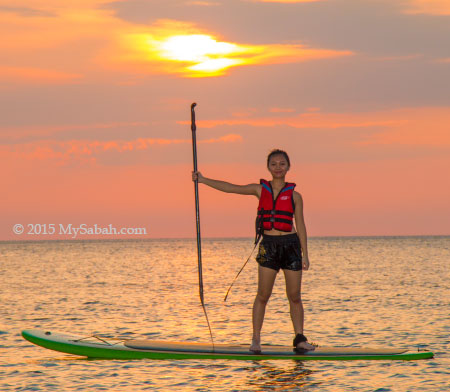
278	166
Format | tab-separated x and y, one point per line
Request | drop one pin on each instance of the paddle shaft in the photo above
197	204
197	218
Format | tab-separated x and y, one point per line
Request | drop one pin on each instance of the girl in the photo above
281	247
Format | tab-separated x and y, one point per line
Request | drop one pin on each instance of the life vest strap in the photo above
275	212
281	220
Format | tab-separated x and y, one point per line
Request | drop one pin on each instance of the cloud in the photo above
182	48
231	138
425	126
281	110
431	7
285	1
421	126
304	120
203	3
53	24
25	11
50	42
86	40
87	151
30	75
52	5
398	58
45	131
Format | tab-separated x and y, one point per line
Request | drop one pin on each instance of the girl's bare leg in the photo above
266	279
293	291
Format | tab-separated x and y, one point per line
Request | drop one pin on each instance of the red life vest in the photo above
275	214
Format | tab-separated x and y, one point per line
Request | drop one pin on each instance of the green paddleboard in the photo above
98	347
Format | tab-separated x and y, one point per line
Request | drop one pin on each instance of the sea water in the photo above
359	292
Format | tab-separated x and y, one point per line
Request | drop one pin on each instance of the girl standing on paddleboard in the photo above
281	247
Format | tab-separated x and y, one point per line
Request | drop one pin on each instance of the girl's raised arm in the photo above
250	189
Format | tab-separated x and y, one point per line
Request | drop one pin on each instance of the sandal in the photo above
298	339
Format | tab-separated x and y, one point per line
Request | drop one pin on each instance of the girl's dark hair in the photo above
278	152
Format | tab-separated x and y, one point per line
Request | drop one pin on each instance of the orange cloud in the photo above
33	25
432	7
50	5
183	48
406	126
426	126
31	75
87	150
54	41
14	133
304	120
443	60
231	138
281	110
42	32
399	58
285	1
203	3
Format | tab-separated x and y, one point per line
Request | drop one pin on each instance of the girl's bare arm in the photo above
250	189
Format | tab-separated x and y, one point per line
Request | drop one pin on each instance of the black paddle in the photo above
197	216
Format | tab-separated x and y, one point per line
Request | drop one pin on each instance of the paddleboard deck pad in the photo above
99	347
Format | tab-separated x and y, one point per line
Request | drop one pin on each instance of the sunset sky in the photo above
95	112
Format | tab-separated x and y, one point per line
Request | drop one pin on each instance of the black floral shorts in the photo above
280	251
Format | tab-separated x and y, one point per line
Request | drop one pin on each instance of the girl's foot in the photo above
255	347
305	346
301	344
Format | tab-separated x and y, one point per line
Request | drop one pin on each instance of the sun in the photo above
195	47
204	55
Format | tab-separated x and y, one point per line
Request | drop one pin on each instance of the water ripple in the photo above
359	292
